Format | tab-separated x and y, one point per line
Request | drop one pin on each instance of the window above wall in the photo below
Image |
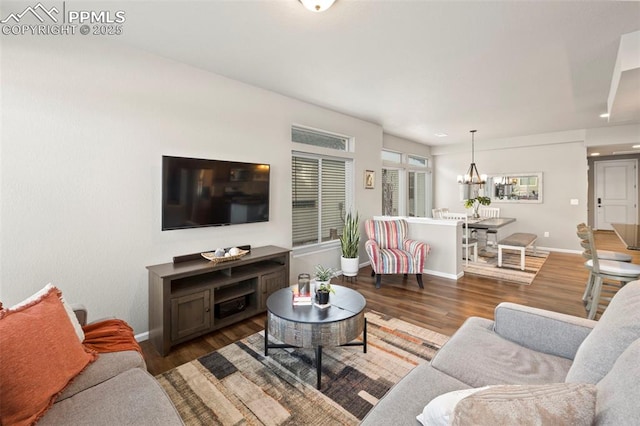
320	139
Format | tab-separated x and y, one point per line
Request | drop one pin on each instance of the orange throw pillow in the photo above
39	355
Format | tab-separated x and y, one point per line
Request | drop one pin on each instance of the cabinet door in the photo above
270	283
191	314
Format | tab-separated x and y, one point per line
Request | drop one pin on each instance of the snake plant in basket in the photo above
350	244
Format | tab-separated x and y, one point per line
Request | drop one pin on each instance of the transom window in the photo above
320	139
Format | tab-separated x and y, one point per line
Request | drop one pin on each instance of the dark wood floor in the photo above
442	305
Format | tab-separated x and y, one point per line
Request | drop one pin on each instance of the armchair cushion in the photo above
388	234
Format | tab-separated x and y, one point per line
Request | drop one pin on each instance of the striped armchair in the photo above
390	252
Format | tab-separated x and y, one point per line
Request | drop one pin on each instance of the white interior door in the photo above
615	193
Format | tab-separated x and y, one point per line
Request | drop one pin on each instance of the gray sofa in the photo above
116	389
529	346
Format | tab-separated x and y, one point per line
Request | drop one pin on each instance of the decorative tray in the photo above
212	256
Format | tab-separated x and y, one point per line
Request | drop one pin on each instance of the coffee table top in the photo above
345	303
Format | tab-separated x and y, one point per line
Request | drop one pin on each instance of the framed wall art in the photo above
369	179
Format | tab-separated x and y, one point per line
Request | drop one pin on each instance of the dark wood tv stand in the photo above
189	299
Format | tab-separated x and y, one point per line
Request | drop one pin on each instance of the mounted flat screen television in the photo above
198	193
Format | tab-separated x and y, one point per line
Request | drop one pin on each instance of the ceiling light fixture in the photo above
317	5
605	115
472	177
635	146
441	135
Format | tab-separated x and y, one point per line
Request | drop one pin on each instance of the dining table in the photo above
482	225
629	234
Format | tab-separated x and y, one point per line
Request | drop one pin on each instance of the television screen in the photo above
197	192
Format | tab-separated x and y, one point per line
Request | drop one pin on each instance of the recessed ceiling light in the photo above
317	5
635	146
605	115
441	135
595	154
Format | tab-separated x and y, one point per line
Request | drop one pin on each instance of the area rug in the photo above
487	266
239	385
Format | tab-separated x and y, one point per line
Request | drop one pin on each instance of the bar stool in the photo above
602	255
467	241
600	270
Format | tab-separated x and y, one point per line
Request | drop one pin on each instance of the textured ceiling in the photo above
415	67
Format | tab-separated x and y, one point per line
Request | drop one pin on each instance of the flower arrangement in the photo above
475	203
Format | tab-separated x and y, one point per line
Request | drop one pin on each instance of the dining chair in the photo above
490	212
437	213
600	270
467	241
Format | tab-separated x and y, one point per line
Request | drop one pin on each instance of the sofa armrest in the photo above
81	313
541	330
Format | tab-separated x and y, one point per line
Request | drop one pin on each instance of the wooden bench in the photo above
518	241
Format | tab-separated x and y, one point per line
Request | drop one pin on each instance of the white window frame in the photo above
318	152
405	168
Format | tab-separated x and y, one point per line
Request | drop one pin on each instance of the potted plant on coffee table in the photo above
323	286
350	244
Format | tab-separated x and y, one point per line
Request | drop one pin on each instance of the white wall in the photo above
406	146
564	168
84	126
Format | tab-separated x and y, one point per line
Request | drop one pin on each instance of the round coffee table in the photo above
313	327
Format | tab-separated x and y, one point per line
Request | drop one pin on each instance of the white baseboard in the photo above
142	336
559	250
442	274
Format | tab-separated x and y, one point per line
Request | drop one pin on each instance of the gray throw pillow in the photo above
616	329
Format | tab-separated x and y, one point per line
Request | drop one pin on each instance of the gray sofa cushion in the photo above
409	396
617	328
130	398
543	331
107	365
477	356
619	392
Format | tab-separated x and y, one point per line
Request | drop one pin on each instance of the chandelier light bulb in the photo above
317	5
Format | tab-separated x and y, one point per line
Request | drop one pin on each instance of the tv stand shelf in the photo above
189	299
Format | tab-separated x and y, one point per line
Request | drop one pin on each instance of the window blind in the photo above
319	195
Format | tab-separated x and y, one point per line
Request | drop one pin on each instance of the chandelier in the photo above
317	5
472	177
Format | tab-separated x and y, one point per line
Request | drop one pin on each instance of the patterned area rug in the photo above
487	266
239	385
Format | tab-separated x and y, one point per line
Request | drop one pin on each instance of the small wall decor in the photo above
369	179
